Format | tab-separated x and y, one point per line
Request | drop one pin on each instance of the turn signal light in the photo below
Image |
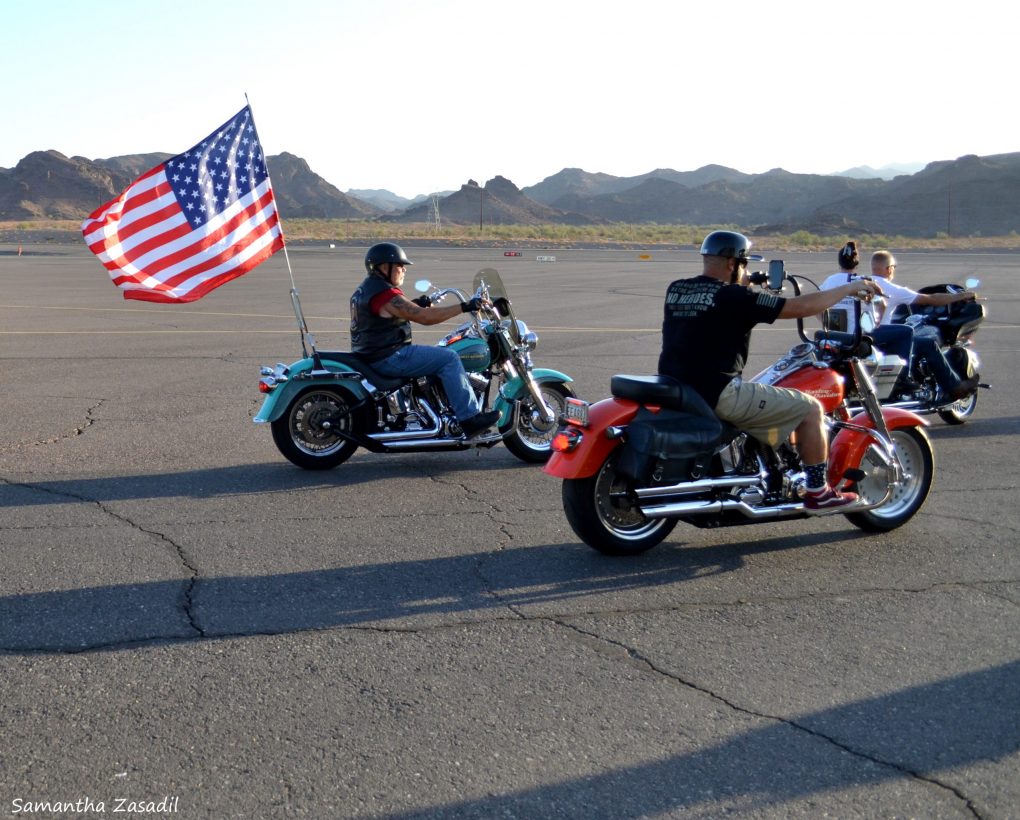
566	440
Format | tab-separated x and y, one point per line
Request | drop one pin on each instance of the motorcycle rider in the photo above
896	340
887	335
706	334
381	319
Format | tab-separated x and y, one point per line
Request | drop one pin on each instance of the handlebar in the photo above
853	347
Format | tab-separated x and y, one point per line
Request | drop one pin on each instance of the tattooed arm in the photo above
399	307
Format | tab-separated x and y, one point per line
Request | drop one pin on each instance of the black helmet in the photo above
385	252
730	244
848	256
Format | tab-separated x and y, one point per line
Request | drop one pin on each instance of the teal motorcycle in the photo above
322	408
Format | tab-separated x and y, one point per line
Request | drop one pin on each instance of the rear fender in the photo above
595	446
848	447
299	378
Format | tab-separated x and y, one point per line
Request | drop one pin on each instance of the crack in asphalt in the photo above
176	549
77	431
592	640
598	643
491	512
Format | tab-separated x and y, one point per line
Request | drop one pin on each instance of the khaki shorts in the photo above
768	413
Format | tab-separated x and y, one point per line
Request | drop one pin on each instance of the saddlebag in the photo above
668	447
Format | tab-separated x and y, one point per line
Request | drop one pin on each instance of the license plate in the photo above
576	412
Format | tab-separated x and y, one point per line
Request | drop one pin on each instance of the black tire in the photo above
531	438
603	514
303	439
958	412
918	461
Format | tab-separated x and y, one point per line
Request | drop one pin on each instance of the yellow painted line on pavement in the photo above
169	313
607	330
162	310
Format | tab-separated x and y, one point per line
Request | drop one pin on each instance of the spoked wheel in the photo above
307	431
603	512
958	412
530	440
913	448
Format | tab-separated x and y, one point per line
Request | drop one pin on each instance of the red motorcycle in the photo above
655	453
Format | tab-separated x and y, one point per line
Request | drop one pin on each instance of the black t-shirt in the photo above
706	331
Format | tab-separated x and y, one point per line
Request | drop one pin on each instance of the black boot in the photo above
965	388
476	424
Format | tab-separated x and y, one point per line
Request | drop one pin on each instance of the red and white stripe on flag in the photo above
192	223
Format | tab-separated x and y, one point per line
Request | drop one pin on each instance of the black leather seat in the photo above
356	362
667	392
662	390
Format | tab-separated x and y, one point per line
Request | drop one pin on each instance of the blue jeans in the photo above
421	360
927	348
901	340
894	340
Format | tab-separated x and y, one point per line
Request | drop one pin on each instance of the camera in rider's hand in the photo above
777	274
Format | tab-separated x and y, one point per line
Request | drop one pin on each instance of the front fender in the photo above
848	447
299	378
595	446
515	390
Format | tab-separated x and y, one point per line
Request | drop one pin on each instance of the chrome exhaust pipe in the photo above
681	508
402	435
442	443
702	485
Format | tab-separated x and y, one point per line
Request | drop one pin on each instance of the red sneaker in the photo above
827	500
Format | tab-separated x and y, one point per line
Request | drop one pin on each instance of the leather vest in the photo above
375	337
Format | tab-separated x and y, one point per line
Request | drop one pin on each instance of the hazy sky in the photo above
420	96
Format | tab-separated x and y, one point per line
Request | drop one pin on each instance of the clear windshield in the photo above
498	294
491	278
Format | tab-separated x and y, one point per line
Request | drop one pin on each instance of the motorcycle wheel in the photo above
604	514
958	412
303	439
918	462
531	438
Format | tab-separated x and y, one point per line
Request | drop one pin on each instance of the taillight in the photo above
566	440
267	385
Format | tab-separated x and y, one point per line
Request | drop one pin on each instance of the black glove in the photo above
422	301
470	306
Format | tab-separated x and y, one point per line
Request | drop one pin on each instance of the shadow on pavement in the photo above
917	734
408	594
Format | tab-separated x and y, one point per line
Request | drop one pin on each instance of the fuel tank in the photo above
473	352
823	383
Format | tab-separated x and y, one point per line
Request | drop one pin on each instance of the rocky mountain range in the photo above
968	196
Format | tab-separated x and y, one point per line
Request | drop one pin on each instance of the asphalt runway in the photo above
186	616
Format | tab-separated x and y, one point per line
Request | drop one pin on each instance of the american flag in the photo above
193	222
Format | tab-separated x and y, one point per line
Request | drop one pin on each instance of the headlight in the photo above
530	340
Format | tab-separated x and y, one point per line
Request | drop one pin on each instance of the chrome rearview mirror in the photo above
422	285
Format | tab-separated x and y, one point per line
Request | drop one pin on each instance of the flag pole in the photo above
295	297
